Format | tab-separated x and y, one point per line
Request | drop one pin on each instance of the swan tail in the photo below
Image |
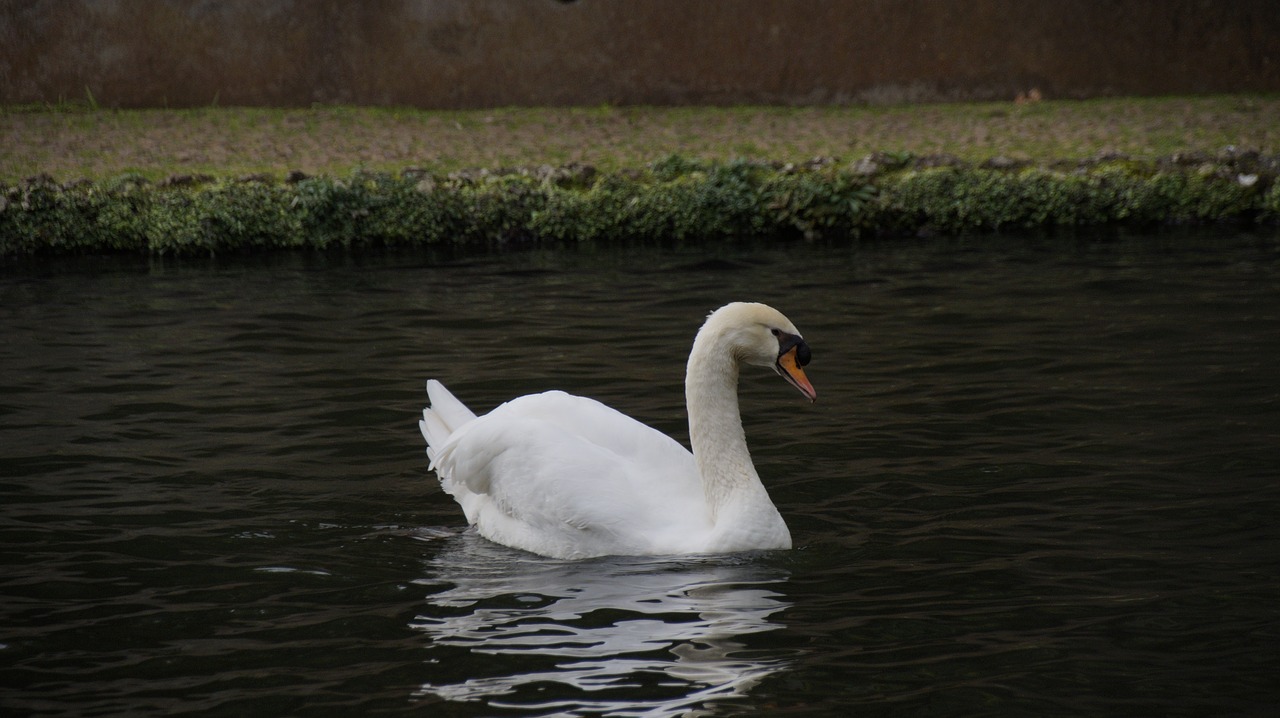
445	416
447	407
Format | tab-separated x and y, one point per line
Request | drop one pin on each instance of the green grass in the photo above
676	199
74	140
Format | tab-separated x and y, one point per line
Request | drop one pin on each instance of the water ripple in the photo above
612	629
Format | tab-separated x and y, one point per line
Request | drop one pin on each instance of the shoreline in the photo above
674	199
83	179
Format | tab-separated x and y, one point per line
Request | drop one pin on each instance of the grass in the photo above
82	140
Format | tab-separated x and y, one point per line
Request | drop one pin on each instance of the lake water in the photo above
1041	479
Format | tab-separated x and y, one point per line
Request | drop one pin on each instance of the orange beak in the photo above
790	370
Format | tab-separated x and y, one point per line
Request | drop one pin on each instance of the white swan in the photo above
568	477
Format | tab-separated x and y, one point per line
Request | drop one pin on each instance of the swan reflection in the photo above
626	636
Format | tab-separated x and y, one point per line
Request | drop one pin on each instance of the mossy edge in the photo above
676	198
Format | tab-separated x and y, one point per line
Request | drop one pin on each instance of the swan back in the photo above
566	476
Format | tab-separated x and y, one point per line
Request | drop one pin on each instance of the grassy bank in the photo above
674	199
72	142
77	178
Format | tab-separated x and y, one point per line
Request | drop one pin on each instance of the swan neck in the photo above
715	425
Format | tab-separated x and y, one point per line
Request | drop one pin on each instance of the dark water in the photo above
1041	479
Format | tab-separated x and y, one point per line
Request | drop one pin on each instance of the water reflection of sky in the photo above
622	636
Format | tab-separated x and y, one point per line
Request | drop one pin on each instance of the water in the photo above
1040	479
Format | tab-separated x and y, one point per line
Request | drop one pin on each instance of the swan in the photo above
567	477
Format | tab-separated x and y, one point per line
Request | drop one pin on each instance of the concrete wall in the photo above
475	53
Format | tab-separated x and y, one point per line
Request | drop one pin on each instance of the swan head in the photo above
760	335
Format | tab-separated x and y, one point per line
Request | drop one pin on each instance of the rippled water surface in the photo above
1041	479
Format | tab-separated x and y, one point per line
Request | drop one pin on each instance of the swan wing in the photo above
567	476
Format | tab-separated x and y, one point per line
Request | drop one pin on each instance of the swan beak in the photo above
789	367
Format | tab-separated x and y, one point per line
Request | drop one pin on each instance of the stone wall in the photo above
477	53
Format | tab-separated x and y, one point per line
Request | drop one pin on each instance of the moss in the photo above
676	198
959	199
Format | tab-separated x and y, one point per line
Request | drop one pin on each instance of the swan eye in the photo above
776	332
